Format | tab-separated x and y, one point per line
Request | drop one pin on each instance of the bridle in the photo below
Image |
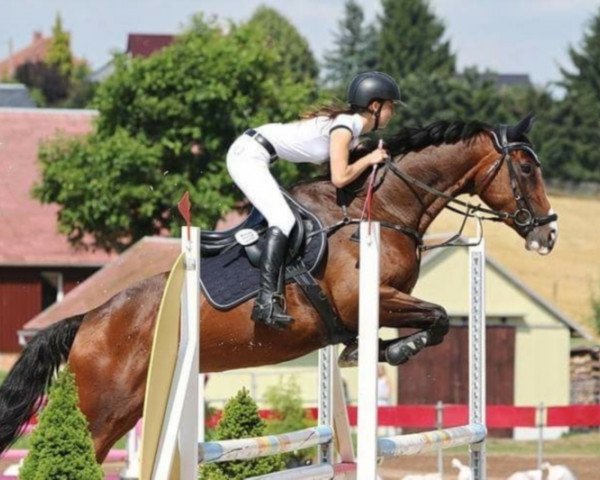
523	217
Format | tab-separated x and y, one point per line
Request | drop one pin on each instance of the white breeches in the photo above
248	165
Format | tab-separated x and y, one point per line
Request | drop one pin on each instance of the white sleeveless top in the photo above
307	141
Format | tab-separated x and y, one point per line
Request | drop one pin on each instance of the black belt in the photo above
264	142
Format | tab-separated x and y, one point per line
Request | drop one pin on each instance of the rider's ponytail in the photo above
330	110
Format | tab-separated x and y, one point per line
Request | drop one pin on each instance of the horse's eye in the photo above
526	168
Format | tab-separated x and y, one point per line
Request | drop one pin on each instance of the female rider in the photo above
326	134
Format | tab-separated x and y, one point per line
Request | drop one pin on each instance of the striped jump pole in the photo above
247	448
333	422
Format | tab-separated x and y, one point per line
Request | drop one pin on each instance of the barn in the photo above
38	266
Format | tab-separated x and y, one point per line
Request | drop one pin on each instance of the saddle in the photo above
213	243
230	269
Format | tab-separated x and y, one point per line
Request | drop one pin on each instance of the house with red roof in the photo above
35	52
145	44
38	266
138	45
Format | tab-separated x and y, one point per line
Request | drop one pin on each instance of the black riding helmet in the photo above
369	86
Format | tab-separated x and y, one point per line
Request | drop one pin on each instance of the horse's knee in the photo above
440	326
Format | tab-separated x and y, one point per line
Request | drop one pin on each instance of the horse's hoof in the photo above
349	356
397	355
406	348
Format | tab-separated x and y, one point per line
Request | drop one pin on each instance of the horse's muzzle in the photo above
542	238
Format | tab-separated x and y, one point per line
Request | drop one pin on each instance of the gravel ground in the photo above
499	467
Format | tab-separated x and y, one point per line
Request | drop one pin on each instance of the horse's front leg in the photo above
400	310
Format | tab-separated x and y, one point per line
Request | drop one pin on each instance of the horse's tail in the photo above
23	389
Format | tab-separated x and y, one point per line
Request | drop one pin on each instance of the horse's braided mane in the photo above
410	139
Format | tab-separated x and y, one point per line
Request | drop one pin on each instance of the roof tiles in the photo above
28	229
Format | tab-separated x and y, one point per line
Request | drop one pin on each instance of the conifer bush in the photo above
61	445
241	420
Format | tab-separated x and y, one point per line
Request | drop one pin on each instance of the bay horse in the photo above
108	348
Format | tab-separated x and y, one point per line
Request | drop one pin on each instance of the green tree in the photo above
285	400
294	52
241	420
61	445
51	85
59	51
570	133
355	47
164	127
411	40
567	140
470	96
585	78
58	81
81	90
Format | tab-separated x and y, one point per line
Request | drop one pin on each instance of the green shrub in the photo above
285	400
240	420
61	445
596	311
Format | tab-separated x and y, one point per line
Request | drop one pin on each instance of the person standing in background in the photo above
384	392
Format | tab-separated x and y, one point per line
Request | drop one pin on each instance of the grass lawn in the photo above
571	444
574	444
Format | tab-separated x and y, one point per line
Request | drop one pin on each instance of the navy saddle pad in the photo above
229	278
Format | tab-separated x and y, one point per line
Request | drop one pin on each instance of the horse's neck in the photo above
447	168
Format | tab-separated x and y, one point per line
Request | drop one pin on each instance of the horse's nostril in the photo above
552	236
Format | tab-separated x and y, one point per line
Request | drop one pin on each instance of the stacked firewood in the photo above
585	376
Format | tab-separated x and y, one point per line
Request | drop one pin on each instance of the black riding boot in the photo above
269	306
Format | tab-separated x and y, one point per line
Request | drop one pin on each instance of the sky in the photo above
508	36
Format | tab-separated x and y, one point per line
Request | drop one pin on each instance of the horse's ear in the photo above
517	131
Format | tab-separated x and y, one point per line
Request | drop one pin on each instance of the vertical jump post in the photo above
368	346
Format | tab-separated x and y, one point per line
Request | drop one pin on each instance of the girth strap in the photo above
336	332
